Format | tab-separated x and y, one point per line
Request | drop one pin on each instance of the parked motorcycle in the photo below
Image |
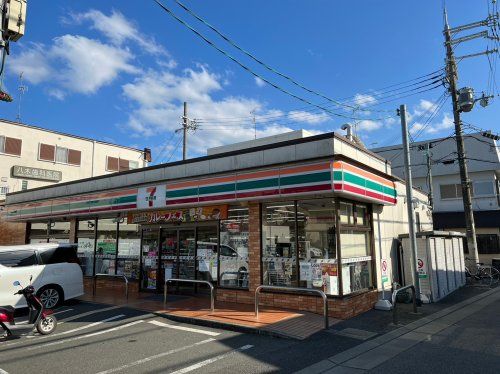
40	318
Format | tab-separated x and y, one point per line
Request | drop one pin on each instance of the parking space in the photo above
95	338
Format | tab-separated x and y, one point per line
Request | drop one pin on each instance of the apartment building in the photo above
483	160
32	157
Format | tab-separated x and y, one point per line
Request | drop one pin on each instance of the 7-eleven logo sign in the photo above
151	197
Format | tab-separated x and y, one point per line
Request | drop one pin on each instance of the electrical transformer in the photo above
14	19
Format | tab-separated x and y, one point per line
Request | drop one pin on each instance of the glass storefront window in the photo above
106	246
233	257
207	250
346	213
149	258
356	261
317	245
38	232
86	241
59	232
129	248
279	250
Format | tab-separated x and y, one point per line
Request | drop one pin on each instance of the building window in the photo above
86	246
484	188
355	245
233	257
129	248
4	190
61	155
120	164
488	244
279	249
10	146
105	262
451	191
317	237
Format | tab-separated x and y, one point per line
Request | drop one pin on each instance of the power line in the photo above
245	67
262	63
378	91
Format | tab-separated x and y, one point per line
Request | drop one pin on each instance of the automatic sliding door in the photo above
168	256
149	253
186	256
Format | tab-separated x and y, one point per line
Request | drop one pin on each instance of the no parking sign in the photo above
383	266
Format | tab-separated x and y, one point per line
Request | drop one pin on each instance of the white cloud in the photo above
56	93
307	117
364	100
118	29
88	64
73	63
157	97
445	124
368	125
259	82
32	62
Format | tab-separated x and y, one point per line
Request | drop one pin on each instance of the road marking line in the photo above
72	318
62	311
3	372
57	342
211	360
90	325
147	359
190	329
81	327
25	322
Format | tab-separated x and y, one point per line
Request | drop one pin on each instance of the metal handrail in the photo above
292	289
113	276
212	298
395	293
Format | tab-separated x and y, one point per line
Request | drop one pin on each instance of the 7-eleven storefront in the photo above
306	224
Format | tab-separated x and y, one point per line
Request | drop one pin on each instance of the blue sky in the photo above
119	71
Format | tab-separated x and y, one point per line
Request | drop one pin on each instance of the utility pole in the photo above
184	129
429	174
254	123
409	200
452	75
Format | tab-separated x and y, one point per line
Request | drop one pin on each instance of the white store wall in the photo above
391	221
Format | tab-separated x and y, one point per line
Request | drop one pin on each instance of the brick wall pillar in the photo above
12	233
73	228
254	238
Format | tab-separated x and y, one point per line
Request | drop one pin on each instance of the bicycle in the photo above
486	274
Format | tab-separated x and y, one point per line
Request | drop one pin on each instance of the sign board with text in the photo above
36	173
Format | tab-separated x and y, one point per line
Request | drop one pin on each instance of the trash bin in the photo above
495	262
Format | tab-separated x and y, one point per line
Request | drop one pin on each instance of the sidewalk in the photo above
232	316
383	348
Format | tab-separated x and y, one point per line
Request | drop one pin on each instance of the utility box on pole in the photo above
440	263
14	20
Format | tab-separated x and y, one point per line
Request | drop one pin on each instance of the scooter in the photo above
40	318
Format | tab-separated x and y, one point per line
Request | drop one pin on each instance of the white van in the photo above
55	268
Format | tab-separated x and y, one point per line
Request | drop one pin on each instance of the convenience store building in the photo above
314	212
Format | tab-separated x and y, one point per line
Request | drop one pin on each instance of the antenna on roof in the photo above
22	89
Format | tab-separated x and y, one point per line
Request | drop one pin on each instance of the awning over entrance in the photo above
284	181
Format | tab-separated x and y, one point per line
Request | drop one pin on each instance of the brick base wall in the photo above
12	233
117	285
345	308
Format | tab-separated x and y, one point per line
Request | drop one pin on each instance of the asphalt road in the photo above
94	338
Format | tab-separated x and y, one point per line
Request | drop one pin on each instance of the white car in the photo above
55	268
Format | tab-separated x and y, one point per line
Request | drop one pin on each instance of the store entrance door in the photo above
184	253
